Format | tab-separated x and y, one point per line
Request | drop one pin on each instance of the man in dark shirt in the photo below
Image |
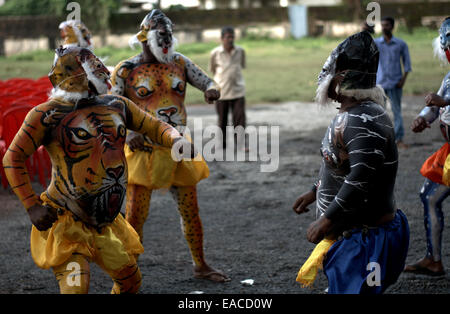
393	52
355	190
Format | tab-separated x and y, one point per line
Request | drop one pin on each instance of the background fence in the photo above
195	21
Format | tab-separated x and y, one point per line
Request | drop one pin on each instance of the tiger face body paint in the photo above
156	81
85	138
85	143
159	89
90	172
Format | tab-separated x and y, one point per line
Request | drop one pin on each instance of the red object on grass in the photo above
2	171
17	97
39	163
12	122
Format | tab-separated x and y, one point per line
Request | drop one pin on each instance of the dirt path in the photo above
251	231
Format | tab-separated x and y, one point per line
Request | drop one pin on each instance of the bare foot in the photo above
426	266
206	272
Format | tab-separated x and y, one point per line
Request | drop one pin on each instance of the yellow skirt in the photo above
113	247
157	170
446	171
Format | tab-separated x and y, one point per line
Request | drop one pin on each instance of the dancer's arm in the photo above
156	130
25	143
199	79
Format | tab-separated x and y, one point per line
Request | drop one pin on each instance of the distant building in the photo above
235	4
316	3
134	6
146	5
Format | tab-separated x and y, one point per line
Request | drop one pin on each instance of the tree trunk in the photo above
51	42
2	47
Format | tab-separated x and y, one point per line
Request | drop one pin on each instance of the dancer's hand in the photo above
435	100
212	95
42	217
419	124
318	229
300	205
136	141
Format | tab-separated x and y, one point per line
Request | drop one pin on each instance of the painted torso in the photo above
432	113
445	88
89	170
444	92
159	89
85	141
359	163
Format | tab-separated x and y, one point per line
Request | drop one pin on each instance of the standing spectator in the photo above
390	76
226	64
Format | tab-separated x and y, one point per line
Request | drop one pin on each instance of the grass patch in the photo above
277	70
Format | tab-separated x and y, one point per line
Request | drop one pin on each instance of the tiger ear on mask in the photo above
53	116
66	71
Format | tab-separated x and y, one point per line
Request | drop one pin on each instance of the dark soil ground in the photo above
250	229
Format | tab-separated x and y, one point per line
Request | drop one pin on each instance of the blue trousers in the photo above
368	263
395	96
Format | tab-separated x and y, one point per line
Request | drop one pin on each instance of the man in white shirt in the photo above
226	64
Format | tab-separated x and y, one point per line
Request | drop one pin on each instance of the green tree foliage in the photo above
356	7
96	12
32	7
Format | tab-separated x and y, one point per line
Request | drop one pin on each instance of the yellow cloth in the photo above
446	172
114	247
307	274
157	170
